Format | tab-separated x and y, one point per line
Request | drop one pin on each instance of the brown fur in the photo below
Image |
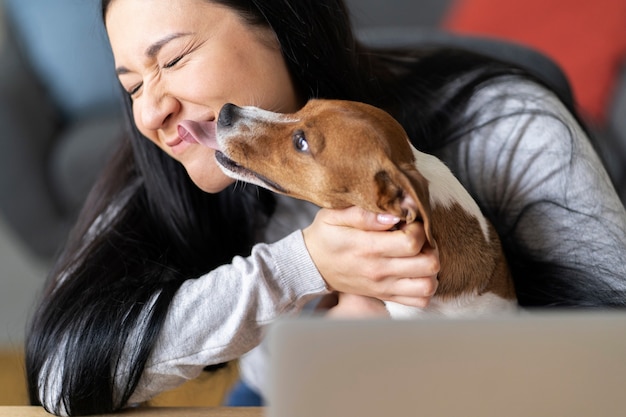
359	155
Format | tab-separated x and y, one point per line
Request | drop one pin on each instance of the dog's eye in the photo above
300	142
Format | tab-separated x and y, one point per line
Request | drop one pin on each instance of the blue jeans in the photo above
243	396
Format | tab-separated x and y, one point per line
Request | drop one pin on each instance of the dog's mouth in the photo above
246	174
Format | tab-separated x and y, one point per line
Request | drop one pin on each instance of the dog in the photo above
337	154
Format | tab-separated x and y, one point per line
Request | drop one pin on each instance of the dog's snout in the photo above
227	115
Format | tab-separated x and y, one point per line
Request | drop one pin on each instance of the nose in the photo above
227	115
156	109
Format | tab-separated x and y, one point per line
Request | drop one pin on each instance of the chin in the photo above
204	172
210	182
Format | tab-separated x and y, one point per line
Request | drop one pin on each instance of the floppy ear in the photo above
404	193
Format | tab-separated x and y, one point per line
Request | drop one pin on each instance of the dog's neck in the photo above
445	190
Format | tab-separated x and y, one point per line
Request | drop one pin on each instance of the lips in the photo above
203	133
245	174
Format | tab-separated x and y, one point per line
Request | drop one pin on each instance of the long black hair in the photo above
146	228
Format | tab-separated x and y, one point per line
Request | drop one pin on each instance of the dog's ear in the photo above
404	193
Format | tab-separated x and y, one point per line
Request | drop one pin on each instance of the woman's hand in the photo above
356	253
349	306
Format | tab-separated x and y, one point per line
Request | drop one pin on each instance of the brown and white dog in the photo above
337	154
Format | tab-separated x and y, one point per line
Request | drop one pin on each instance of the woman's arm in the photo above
533	170
212	319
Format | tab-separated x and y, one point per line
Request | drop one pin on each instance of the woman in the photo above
147	292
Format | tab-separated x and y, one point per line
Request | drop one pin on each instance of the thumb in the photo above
359	218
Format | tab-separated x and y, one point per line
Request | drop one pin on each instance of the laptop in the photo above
536	364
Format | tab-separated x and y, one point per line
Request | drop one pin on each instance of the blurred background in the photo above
59	112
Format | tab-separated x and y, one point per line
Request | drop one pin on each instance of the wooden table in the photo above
10	411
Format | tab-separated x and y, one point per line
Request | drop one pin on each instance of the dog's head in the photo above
333	153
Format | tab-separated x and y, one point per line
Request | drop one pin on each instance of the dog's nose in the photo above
227	115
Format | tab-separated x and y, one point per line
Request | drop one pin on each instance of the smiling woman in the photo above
205	56
172	268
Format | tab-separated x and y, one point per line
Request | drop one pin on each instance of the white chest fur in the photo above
464	306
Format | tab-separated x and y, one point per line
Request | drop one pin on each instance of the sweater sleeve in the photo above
212	319
220	316
534	172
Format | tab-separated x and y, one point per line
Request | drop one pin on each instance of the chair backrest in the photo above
534	62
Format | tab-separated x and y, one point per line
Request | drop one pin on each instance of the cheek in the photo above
263	82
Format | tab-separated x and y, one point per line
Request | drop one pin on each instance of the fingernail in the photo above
387	219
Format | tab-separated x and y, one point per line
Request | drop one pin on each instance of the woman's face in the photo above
183	60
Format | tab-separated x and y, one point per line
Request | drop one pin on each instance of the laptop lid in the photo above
539	364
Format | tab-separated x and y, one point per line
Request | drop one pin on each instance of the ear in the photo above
404	193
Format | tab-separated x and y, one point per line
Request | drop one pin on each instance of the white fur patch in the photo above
256	115
445	189
252	118
463	306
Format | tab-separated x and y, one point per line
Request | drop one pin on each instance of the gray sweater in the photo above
531	161
527	161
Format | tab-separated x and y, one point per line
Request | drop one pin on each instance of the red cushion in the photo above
586	38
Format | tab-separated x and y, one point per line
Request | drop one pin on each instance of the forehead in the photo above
339	115
159	13
356	125
138	23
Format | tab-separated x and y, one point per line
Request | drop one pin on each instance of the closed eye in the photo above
134	90
173	62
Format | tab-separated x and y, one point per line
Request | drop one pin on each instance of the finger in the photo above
421	301
358	218
409	241
381	247
424	287
392	272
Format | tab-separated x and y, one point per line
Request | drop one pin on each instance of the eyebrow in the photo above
153	50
